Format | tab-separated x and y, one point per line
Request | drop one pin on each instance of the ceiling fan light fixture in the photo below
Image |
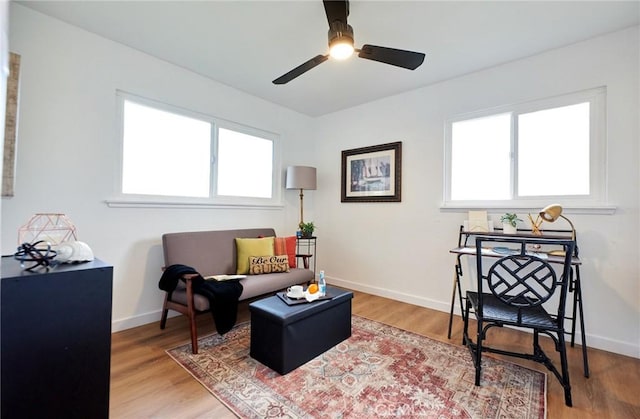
341	50
340	40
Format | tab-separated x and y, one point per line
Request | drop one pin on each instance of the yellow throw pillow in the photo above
251	247
268	264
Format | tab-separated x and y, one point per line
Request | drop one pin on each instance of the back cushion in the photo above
208	252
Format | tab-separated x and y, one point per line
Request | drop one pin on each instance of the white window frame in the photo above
214	200
595	201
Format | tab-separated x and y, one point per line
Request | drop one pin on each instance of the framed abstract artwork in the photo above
372	174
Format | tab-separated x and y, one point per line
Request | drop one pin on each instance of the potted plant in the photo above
510	223
307	229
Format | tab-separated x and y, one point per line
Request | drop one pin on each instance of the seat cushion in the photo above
252	286
180	296
496	311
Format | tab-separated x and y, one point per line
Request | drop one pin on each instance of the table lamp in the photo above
551	213
301	177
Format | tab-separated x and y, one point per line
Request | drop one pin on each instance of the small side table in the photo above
306	246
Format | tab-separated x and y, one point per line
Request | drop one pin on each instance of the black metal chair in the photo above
512	291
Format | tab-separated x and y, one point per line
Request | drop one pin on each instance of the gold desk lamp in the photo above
551	213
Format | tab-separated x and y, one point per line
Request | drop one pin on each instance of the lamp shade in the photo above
551	212
301	177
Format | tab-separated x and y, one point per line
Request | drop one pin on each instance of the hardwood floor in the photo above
146	383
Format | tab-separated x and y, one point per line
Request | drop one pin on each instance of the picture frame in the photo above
372	174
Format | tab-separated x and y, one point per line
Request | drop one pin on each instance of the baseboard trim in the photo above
615	346
139	320
394	295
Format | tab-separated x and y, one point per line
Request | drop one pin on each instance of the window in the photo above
164	153
170	155
528	154
236	153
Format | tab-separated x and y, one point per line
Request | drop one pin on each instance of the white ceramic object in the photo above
295	291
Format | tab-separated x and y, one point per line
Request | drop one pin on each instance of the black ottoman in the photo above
284	337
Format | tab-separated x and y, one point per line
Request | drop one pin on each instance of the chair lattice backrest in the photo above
523	278
523	281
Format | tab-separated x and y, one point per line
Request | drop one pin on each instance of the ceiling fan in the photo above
341	45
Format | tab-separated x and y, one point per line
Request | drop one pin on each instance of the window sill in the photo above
132	203
566	209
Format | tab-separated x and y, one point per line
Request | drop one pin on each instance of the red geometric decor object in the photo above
51	228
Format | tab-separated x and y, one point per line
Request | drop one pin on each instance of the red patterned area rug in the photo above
380	371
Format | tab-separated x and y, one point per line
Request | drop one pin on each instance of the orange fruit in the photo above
313	288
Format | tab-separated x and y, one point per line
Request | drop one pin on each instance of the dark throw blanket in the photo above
223	296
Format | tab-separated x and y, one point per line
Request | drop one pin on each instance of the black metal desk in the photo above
575	287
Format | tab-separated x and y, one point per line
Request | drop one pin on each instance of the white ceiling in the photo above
247	44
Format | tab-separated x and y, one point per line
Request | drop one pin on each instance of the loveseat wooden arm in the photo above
189	310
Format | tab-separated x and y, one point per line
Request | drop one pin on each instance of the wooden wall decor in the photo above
11	126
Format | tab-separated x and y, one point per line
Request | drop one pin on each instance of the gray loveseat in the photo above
214	253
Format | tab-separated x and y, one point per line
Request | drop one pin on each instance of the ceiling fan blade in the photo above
397	57
301	69
336	10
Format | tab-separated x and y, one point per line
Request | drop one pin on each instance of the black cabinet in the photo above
55	340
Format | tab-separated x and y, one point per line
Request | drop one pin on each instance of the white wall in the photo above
400	250
68	146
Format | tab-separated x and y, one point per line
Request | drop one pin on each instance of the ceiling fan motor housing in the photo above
340	32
